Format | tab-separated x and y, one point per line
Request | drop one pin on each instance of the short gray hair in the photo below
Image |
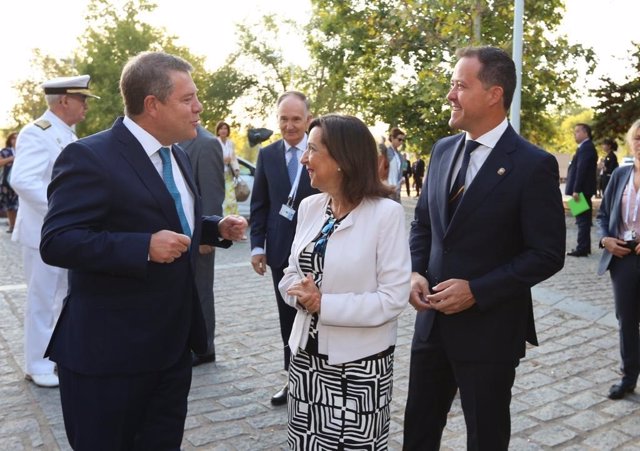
52	99
148	73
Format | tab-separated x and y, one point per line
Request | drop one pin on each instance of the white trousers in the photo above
46	288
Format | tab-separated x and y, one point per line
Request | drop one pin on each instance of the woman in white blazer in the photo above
349	278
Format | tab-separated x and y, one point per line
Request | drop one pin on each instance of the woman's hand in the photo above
307	294
616	247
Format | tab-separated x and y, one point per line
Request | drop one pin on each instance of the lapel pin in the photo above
501	171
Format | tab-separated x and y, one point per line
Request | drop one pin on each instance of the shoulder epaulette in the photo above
43	124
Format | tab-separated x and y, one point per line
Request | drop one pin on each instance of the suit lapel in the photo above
444	178
135	155
495	169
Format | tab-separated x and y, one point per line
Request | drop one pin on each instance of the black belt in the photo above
376	356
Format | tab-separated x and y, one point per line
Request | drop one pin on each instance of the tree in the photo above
32	103
391	59
619	104
115	33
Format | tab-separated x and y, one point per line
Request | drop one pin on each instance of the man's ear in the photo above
495	95
151	104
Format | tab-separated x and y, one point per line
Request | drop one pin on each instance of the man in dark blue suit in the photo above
279	186
124	218
581	178
488	226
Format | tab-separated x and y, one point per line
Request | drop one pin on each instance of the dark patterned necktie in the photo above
457	190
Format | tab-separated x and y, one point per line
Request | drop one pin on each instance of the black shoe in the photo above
619	391
200	359
577	253
280	398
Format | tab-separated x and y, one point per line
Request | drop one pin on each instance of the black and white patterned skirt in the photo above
339	407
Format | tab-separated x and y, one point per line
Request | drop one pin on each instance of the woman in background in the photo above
231	167
348	278
8	197
609	163
619	227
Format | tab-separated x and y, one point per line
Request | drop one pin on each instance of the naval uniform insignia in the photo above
43	124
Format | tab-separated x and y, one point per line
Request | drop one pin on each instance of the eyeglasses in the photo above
79	97
325	233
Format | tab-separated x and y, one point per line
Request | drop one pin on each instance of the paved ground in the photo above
559	396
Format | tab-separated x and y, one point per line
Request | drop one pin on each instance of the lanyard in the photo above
296	182
630	189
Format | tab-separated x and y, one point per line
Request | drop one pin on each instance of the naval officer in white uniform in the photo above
39	144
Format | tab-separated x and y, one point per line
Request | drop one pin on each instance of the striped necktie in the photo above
167	176
457	190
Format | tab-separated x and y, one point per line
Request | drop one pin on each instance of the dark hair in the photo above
296	94
352	145
149	73
10	136
586	128
221	124
395	132
498	69
613	145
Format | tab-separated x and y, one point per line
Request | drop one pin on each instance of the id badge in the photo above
629	235
287	212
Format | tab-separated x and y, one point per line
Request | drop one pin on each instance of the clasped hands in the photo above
307	294
166	246
450	296
618	247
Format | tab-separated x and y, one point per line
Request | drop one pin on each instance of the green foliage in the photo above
619	105
32	103
391	60
113	35
563	140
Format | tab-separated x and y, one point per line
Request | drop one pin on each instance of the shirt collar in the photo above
491	138
52	117
301	146
150	144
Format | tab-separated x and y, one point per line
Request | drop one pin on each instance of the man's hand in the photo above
259	263
452	296
617	247
233	227
576	196
205	249
419	292
165	246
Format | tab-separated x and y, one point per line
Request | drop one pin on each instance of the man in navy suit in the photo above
124	218
279	186
479	242
581	178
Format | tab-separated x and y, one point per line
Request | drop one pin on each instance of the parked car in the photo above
247	172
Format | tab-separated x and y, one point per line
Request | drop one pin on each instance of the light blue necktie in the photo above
167	176
292	166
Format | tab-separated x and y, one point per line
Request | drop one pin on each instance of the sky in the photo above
207	28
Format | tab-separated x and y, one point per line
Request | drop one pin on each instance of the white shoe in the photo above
43	380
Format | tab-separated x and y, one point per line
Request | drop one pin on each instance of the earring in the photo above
339	169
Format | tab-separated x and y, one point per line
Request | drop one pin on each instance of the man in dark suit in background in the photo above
279	186
124	218
581	178
205	153
479	242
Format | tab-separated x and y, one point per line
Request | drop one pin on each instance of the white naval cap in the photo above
69	85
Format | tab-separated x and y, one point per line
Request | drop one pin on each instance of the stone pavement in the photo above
559	397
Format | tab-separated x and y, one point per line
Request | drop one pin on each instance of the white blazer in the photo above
366	279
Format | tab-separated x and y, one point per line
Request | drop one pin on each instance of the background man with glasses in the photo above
39	144
396	137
